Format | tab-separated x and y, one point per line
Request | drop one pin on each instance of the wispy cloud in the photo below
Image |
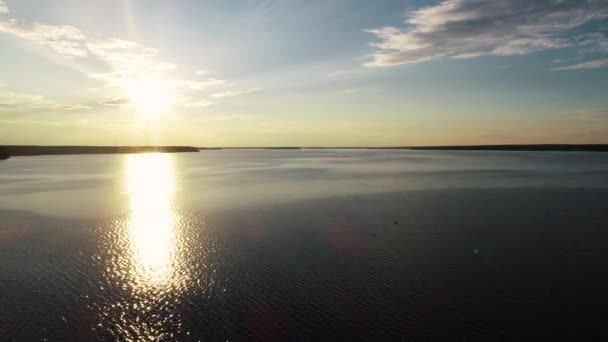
116	101
128	59
592	116
338	73
595	64
472	28
235	93
124	62
199	104
200	84
72	107
63	39
3	7
223	118
12	101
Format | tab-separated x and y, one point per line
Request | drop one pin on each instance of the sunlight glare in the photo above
150	96
150	186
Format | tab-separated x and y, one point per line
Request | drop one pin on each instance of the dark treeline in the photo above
537	147
262	148
543	147
7	151
4	153
33	150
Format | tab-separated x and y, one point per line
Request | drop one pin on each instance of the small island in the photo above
35	150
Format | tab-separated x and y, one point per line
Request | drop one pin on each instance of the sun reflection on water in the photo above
153	258
150	185
145	267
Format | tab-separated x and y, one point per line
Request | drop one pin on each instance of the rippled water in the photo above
304	245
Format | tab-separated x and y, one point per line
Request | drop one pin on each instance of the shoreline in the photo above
7	151
38	150
510	147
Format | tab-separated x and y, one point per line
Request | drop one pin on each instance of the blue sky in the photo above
314	73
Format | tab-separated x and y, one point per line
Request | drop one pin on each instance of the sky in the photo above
303	73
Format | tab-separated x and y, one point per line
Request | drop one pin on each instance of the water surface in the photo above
304	245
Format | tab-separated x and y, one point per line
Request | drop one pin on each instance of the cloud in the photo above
235	93
472	28
224	118
72	107
199	104
19	101
126	59
118	63
117	101
63	39
593	116
595	64
199	84
201	72
3	7
343	72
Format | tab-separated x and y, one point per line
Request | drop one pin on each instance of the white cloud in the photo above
3	7
235	93
63	39
126	59
201	72
199	84
199	104
12	101
338	73
592	115
472	28
116	101
164	66
72	107
122	62
595	64
224	118
18	100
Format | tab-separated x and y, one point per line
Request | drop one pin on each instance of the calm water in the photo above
304	245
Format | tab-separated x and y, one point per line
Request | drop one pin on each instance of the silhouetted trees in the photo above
4	153
32	150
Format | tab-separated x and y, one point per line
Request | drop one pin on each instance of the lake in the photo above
277	245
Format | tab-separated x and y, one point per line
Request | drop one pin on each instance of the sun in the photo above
151	97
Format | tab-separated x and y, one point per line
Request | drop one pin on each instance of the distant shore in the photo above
534	147
7	151
4	154
259	148
539	147
35	150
